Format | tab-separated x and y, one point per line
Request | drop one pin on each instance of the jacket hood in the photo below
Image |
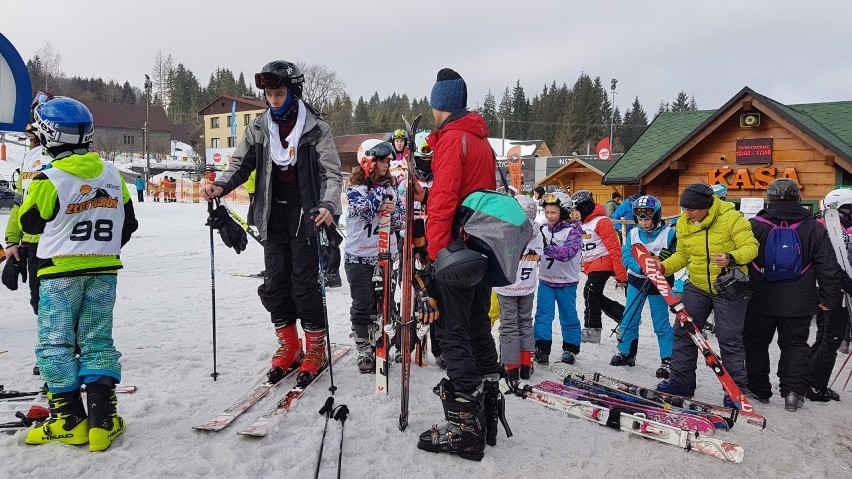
469	122
598	211
784	211
86	166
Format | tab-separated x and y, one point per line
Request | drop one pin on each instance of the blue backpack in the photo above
782	257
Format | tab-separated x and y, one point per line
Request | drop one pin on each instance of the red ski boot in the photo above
526	364
315	357
289	353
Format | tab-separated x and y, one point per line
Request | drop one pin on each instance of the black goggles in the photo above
267	80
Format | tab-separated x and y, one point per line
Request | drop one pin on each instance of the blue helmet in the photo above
63	121
648	207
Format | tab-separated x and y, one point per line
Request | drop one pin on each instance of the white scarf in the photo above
281	157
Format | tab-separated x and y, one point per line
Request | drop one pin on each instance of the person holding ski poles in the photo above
463	163
660	241
711	235
298	169
795	254
371	191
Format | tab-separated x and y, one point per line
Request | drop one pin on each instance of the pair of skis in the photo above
268	420
403	329
839	238
648	263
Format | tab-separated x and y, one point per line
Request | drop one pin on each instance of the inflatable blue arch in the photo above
15	88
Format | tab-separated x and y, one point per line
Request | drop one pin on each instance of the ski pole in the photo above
642	293
340	413
322	240
214	374
842	367
326	410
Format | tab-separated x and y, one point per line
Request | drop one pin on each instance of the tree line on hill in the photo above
570	119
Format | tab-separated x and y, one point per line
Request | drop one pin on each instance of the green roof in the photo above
602	165
666	132
829	123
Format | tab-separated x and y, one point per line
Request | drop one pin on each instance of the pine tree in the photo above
520	113
681	103
489	112
635	122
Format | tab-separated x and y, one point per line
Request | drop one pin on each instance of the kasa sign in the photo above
743	179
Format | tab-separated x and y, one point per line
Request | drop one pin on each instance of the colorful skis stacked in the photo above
649	266
384	296
635	419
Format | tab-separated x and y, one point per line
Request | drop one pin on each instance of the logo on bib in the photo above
91	198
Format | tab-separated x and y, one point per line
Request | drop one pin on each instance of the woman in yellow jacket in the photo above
711	235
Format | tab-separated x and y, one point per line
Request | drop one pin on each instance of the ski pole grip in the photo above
341	412
314	212
328	406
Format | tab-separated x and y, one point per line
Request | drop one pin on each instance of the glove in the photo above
621	285
13	268
665	254
232	234
418	239
425	300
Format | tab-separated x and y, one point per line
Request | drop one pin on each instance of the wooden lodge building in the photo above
745	144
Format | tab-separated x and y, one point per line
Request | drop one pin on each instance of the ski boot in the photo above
513	375
527	367
665	369
568	357
793	401
844	347
332	280
366	356
67	423
439	361
822	395
494	408
757	397
671	386
591	335
464	432
314	359
621	359
288	355
104	422
542	352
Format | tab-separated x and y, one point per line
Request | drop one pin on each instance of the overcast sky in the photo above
794	51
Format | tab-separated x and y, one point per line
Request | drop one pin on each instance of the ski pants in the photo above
629	332
794	365
76	311
729	317
831	329
291	289
596	302
32	271
464	330
565	298
250	214
516	332
363	311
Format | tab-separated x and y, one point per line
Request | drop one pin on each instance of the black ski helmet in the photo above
278	73
732	284
458	265
584	202
783	189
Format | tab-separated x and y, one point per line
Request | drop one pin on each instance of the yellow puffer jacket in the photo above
724	230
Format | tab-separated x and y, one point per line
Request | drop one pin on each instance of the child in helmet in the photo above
517	341
399	163
660	241
559	273
82	209
371	191
601	259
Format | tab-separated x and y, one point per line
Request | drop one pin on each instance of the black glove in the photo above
232	234
425	299
14	268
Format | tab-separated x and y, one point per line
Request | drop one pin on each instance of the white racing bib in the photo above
654	247
35	161
362	237
558	272
593	247
90	217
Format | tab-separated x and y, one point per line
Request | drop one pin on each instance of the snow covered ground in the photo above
163	329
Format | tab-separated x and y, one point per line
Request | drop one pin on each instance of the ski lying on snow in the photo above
263	424
729	415
636	424
15	396
226	417
671	417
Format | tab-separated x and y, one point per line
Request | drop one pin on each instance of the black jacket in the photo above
799	297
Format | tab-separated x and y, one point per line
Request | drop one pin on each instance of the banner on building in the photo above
602	149
516	175
234	121
218	157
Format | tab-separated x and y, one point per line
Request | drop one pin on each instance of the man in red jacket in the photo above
463	162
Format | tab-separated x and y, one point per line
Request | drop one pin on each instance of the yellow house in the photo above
218	139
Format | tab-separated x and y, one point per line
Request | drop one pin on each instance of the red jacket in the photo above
612	261
456	174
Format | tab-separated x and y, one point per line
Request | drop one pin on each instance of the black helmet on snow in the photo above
278	73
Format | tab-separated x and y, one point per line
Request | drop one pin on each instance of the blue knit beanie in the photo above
449	92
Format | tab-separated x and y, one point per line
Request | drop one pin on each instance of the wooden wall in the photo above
788	151
577	177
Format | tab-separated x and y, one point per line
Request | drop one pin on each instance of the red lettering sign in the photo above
754	151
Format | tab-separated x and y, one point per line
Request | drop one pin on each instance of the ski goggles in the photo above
40	98
398	134
549	198
267	80
643	212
